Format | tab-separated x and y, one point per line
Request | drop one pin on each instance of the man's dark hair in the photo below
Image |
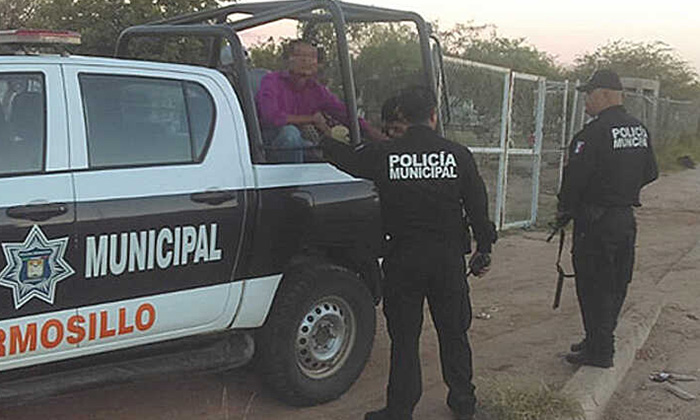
289	46
416	103
390	110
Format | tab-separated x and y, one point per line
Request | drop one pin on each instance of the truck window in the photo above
22	123
137	121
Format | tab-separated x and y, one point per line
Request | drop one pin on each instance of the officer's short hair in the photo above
390	110
416	104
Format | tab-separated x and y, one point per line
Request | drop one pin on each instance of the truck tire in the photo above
318	335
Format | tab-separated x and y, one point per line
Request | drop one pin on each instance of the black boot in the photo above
461	410
589	359
462	416
580	346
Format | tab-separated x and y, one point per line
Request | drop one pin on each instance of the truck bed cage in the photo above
214	23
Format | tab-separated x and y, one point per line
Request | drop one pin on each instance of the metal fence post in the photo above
506	124
574	111
537	156
562	151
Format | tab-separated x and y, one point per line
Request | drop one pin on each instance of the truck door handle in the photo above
37	212
214	197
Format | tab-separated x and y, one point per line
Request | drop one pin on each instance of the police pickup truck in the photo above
139	237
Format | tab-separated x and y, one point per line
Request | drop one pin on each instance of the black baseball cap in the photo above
602	79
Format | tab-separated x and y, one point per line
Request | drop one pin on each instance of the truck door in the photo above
37	218
160	203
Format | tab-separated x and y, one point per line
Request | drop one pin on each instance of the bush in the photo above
669	154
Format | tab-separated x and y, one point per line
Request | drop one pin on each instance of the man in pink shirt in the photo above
288	100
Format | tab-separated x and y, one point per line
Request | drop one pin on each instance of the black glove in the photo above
479	263
562	219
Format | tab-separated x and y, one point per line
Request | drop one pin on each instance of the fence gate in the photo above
504	119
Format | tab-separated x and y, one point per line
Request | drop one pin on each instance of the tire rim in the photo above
325	337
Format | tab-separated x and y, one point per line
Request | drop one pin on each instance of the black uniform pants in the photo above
436	272
603	259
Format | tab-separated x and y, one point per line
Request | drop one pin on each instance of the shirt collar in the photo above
419	128
612	109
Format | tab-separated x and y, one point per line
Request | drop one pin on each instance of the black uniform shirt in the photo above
424	182
609	161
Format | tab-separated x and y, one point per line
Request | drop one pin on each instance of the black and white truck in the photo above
143	231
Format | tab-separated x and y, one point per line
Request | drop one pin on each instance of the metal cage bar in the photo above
537	152
338	13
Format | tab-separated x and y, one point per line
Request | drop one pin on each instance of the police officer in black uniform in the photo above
425	184
609	161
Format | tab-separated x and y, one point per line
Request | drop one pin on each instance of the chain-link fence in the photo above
669	120
677	119
518	126
515	124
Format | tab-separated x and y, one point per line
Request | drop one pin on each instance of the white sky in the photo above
566	28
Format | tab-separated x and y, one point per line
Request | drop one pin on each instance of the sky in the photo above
565	28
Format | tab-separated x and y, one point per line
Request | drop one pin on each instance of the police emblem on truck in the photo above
34	267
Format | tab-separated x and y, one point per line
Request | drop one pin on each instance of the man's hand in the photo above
341	133
480	263
561	220
319	121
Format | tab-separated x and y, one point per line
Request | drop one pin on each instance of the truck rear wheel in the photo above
318	335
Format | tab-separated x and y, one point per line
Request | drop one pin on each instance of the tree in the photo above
387	59
101	21
483	44
267	54
15	14
648	60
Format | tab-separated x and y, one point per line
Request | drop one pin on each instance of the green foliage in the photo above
648	60
267	55
16	14
101	21
483	44
388	60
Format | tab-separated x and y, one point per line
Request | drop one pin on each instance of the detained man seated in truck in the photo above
295	108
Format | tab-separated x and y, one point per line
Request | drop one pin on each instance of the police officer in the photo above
609	161
425	183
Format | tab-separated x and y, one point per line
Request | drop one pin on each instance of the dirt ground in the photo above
674	342
523	340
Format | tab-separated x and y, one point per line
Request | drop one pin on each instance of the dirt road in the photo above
523	340
674	342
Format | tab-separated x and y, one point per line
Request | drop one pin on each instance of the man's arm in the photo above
475	199
577	172
337	109
360	161
271	114
317	120
651	170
